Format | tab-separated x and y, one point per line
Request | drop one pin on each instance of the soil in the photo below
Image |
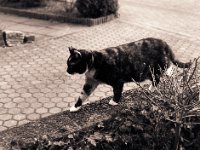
131	125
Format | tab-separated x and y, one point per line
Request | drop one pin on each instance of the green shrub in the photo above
97	8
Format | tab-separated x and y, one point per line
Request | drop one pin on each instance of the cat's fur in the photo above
116	65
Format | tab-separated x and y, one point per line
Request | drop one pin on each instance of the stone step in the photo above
13	38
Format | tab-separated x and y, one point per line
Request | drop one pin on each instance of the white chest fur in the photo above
90	73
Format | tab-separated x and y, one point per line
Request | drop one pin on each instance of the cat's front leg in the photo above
89	86
117	90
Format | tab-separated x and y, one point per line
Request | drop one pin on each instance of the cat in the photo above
144	59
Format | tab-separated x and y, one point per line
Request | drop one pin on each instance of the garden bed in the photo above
54	11
131	125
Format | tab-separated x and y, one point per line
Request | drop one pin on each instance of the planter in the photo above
59	18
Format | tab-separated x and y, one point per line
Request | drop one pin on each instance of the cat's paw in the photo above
113	103
74	109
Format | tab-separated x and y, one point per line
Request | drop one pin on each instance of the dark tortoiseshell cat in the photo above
116	65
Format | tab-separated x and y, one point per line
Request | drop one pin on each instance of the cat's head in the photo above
77	61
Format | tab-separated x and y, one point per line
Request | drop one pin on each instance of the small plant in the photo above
176	102
97	8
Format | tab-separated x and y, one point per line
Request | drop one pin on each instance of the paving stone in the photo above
46	90
2	95
54	110
62	105
36	105
56	99
5	117
28	110
18	100
99	94
45	115
57	90
9	91
6	100
22	122
92	99
43	99
31	100
34	90
13	95
22	90
10	123
19	117
49	105
3	110
5	87
26	95
50	95
69	99
10	105
41	110
23	105
63	95
14	111
38	95
33	116
2	128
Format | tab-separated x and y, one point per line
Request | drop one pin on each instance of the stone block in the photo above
13	38
29	38
2	43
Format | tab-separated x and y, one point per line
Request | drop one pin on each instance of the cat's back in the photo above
135	47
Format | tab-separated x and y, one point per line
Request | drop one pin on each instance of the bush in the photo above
32	3
8	1
97	8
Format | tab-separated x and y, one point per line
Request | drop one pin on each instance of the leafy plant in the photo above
97	8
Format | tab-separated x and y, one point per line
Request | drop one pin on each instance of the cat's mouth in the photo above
70	71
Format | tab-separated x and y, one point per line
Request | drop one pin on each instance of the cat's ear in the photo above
74	51
71	50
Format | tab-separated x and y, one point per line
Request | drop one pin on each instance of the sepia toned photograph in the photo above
99	75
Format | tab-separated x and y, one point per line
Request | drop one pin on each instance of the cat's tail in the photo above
177	62
181	64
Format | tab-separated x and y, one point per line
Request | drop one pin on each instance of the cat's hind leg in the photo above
89	86
117	90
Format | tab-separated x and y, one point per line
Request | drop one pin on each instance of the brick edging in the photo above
83	21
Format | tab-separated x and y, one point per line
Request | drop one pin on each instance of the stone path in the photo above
33	79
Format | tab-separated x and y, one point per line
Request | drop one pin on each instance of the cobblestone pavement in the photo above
177	17
33	79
